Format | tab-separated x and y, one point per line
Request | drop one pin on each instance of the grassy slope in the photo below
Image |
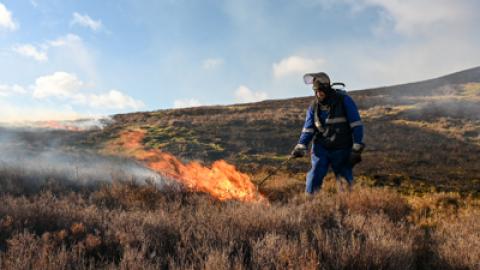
423	136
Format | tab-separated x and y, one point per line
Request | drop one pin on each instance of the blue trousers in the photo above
322	159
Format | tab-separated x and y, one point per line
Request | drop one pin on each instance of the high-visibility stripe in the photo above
316	119
336	120
319	127
356	124
308	130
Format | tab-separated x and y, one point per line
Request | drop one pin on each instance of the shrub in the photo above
131	226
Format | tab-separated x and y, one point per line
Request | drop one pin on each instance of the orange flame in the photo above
222	180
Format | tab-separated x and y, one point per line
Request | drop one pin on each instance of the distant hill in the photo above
430	86
420	136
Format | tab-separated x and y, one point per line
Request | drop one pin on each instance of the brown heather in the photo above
128	226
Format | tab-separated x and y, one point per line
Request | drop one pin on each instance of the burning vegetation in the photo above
222	181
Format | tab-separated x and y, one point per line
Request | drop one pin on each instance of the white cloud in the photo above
7	90
114	99
244	94
59	84
29	50
212	63
34	3
86	21
186	103
71	51
6	20
412	40
68	51
296	65
68	87
67	40
411	17
417	61
434	38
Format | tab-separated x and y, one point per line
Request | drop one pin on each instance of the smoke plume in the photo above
37	157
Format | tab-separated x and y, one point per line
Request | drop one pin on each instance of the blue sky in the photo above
63	59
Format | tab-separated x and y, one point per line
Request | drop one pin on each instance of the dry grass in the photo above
471	89
128	226
377	112
461	130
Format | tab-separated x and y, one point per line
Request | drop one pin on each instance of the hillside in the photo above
102	198
422	136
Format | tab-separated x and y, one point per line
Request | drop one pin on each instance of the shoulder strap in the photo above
314	106
341	92
341	99
338	99
316	119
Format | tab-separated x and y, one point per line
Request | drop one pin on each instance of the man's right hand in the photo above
356	154
300	150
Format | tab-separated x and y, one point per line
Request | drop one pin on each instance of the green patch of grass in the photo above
158	135
215	147
264	159
184	142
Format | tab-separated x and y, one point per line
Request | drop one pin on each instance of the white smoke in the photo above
73	125
42	155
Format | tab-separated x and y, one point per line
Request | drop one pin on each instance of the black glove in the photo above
356	154
300	150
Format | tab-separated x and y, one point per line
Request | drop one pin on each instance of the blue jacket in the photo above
319	126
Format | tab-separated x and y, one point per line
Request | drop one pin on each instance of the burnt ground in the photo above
419	137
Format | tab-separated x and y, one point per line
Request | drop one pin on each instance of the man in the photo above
334	125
